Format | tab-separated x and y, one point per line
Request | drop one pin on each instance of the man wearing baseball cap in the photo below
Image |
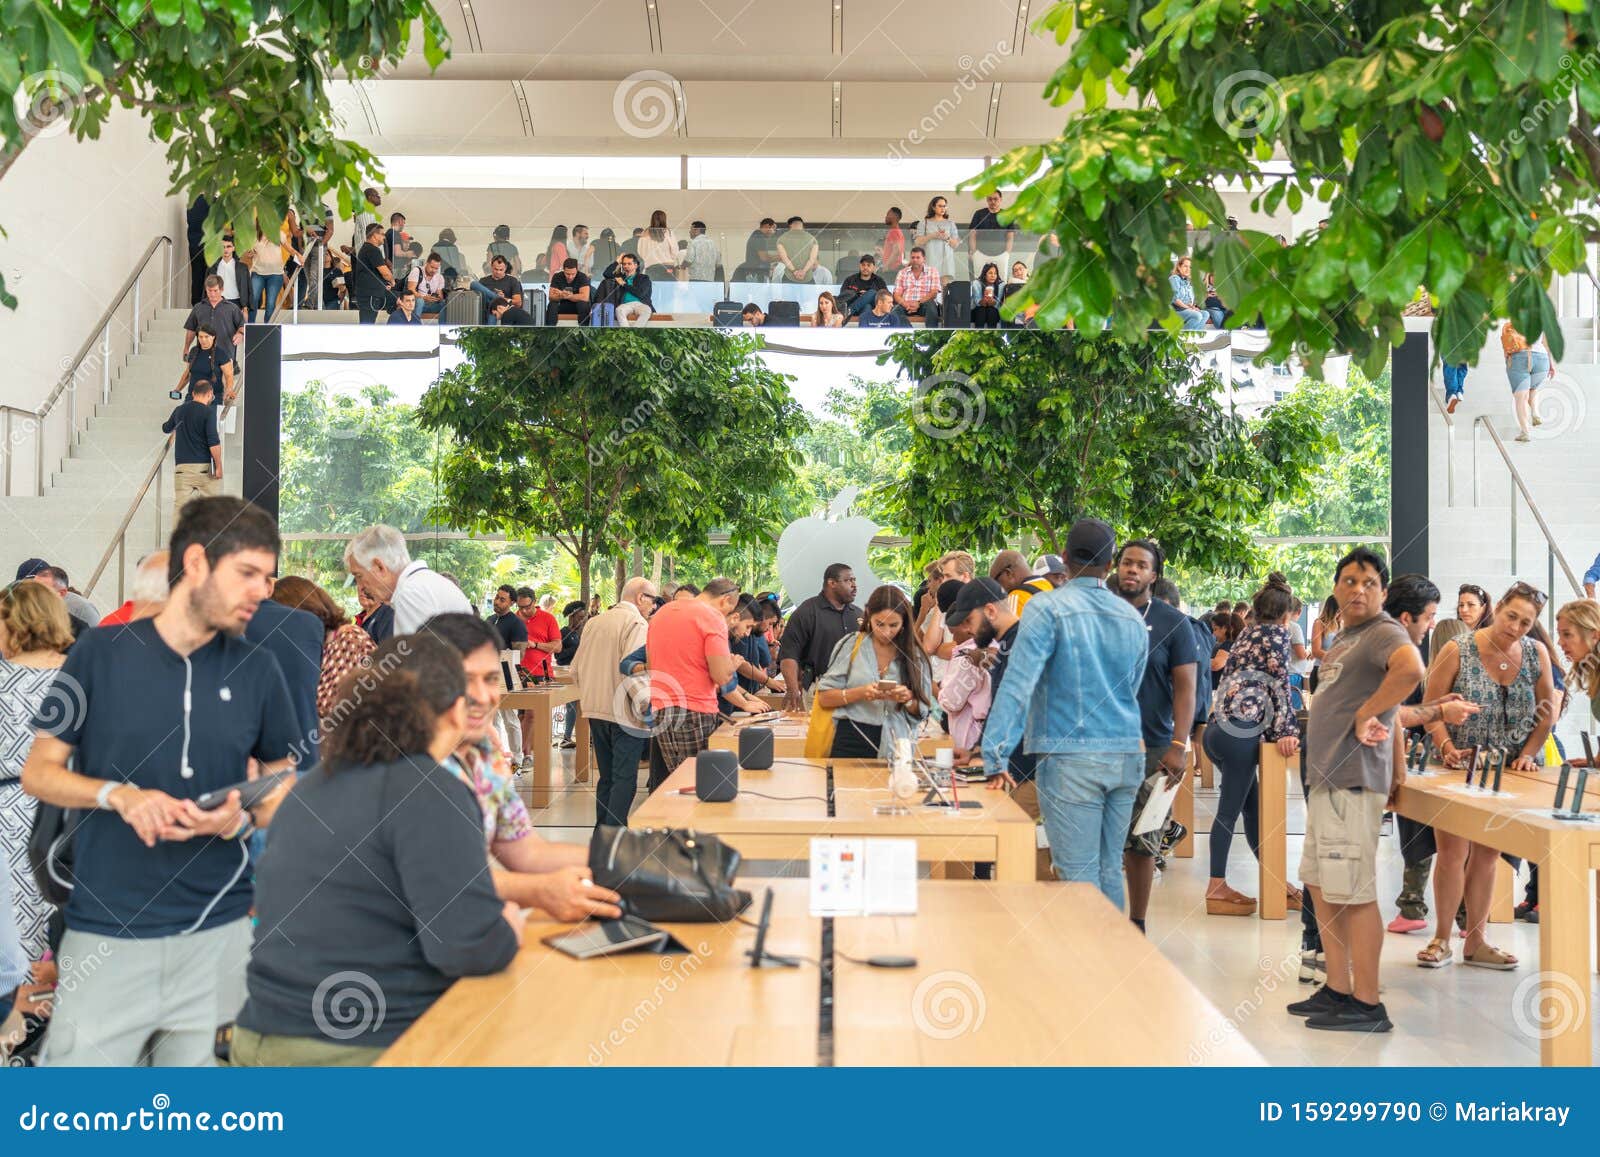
1081	716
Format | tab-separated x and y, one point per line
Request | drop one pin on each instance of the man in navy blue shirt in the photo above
294	638
1166	709
158	712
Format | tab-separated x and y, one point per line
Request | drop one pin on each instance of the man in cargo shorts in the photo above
1354	768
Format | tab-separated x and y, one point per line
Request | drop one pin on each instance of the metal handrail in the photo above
118	543
1553	552
1450	449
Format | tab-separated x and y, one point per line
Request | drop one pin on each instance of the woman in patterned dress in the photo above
1510	677
34	636
345	646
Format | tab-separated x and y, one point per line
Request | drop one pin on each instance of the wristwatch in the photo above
102	798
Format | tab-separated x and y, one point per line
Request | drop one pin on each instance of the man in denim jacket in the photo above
1074	677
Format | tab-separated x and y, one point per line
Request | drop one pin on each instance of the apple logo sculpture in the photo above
808	546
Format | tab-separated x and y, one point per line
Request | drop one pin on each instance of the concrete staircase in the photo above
88	493
1472	542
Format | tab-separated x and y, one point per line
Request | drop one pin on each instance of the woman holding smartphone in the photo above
878	683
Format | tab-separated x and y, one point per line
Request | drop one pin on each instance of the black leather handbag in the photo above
668	874
50	851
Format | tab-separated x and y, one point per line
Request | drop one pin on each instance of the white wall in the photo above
77	216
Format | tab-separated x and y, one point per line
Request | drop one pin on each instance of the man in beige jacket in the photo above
620	732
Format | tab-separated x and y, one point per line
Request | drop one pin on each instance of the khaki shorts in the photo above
1340	855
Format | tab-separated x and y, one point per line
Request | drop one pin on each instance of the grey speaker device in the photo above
716	776
755	748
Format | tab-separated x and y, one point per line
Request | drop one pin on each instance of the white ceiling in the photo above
726	77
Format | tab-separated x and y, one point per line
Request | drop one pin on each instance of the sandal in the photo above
1295	901
1488	956
1234	905
1436	955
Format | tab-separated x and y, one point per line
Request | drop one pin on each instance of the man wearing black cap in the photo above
45	575
1081	716
1166	708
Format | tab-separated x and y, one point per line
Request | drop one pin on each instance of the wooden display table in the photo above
542	700
999	832
973	998
789	737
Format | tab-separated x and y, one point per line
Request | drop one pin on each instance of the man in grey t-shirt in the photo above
1353	768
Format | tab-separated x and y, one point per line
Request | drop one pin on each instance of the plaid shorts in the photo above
683	734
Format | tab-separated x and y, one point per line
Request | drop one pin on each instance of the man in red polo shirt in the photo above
148	592
544	634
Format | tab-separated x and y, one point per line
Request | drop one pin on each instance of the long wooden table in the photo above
1272	802
789	737
542	699
782	829
975	996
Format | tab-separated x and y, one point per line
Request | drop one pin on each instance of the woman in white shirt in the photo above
827	315
658	249
878	683
266	270
939	237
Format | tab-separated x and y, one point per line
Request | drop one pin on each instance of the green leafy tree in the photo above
1453	145
237	90
609	438
1022	433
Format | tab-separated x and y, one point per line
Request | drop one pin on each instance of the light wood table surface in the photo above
1272	802
789	737
1518	821
541	700
974	997
999	832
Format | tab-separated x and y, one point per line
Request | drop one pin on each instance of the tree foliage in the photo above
1454	147
237	90
1021	433
606	438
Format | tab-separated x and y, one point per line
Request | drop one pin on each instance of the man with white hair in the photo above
379	560
147	594
619	733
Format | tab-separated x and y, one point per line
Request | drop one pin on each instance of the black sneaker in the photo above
1323	1000
1353	1017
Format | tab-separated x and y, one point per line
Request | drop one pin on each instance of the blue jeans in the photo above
617	752
1455	381
1527	370
489	298
861	305
272	283
1086	801
572	721
1192	318
425	308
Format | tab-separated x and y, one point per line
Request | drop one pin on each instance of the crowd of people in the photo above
190	933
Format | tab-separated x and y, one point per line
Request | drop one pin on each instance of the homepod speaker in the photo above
755	748
716	776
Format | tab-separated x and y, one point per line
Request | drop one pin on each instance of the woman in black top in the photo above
986	296
374	895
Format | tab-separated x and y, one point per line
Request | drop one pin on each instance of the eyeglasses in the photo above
1528	591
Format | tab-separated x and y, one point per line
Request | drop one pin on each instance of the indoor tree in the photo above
1020	433
237	90
606	439
1453	146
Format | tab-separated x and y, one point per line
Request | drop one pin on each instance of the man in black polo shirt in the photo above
814	630
500	288
860	290
986	235
196	448
372	277
1166	709
161	711
569	293
226	318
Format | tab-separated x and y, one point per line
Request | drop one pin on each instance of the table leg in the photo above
1559	1011
1503	901
1202	764
583	758
1014	853
543	779
1183	812
1271	808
